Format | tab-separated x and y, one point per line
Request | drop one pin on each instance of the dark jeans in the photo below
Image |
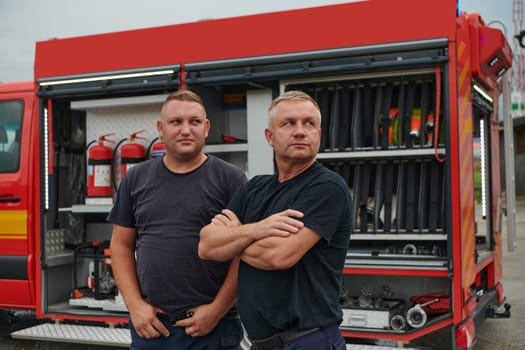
329	338
226	336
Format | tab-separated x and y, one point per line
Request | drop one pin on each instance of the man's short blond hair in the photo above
292	95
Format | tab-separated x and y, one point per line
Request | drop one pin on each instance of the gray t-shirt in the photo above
169	210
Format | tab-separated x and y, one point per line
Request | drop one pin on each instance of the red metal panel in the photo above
13	247
19	240
465	334
33	154
395	272
16	294
464	246
491	53
406	337
36	208
456	50
465	173
326	27
17	87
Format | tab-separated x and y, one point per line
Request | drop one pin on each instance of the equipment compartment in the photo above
372	316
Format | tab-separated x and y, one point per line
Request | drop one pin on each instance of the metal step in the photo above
112	336
76	334
373	347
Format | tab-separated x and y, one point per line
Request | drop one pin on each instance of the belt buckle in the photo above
178	316
183	315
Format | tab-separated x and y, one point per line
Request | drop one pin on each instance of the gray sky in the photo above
24	22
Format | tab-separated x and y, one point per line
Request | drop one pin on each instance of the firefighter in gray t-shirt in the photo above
175	299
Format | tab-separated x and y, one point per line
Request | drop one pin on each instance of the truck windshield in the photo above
10	130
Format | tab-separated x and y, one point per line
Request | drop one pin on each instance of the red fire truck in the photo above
410	120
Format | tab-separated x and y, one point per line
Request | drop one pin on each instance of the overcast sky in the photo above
24	22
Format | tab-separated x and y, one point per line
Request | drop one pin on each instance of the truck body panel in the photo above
209	40
18	200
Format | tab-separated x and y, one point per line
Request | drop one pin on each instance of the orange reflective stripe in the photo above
13	224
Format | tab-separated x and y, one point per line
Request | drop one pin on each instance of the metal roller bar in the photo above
315	55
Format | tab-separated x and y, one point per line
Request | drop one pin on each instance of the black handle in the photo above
10	199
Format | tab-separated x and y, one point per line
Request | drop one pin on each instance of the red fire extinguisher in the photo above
99	168
158	149
132	153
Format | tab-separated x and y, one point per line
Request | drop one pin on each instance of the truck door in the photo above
16	238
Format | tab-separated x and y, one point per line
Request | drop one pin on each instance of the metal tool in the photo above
416	316
398	322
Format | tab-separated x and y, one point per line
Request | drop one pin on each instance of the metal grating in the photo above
76	334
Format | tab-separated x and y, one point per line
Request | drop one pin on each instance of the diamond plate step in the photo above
76	334
112	336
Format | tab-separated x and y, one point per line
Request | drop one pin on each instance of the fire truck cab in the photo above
410	121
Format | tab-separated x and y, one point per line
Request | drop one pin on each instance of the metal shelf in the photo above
88	208
398	236
59	259
225	148
439	264
381	154
402	264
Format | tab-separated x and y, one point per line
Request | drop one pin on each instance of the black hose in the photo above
113	178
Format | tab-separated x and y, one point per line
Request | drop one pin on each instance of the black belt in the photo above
176	317
281	338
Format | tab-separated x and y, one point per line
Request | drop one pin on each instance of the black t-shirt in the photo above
168	210
306	295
